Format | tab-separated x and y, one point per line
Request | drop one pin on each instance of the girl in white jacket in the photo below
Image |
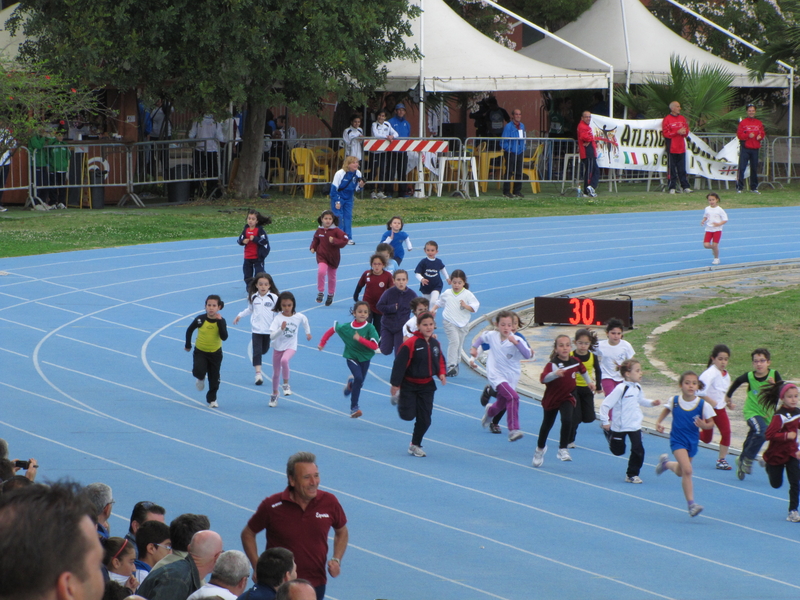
626	420
263	296
459	304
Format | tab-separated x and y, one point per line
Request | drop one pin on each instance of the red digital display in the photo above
581	311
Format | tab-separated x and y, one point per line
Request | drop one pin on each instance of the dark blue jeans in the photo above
359	371
755	437
748	155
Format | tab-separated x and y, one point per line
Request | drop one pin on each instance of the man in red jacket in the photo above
750	133
676	129
588	153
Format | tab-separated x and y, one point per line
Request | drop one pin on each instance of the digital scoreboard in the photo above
581	311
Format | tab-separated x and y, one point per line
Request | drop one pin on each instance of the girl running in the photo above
212	330
419	305
503	370
459	303
327	242
783	453
559	378
716	381
256	244
612	352
418	361
397	238
387	252
688	413
626	400
395	304
713	219
263	298
360	344
585	346
283	333
376	281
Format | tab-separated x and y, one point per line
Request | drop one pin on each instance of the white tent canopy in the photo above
459	58
603	30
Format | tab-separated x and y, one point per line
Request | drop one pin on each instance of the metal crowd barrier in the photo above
783	158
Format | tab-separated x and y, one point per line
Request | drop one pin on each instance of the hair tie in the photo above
121	548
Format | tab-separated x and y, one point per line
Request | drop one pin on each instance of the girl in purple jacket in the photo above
395	304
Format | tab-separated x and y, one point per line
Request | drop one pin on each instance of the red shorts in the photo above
712	236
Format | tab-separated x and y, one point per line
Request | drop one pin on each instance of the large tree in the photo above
211	53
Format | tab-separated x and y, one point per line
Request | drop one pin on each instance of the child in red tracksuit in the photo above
783	452
418	361
327	242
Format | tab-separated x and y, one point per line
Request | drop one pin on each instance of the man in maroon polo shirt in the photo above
299	519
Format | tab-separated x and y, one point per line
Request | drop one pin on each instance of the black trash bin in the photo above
97	177
180	191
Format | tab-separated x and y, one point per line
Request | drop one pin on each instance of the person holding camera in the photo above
346	181
9	468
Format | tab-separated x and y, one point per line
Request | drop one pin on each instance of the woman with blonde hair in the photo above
346	182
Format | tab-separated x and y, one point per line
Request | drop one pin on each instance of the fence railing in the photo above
85	174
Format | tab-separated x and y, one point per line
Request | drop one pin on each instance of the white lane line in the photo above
12	352
72	339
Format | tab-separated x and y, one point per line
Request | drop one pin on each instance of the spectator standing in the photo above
380	165
513	145
352	137
750	133
588	153
675	128
206	152
282	516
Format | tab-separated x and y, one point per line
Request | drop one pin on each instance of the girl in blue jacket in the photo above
346	182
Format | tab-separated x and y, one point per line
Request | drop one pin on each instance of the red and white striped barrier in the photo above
406	145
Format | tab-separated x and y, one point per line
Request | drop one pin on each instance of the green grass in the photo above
769	321
31	232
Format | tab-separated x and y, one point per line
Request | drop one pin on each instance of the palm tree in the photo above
705	94
784	40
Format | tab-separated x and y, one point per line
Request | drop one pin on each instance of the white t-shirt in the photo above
503	362
612	356
453	312
717	385
714	215
286	339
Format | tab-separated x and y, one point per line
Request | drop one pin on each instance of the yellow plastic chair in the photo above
276	170
485	166
530	167
308	170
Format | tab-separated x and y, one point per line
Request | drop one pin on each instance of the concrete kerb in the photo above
624	287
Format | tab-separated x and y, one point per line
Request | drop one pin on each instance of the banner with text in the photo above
639	145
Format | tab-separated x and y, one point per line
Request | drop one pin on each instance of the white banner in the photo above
639	145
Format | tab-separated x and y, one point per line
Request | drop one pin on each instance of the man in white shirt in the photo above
228	579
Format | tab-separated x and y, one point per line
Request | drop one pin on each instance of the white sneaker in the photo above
273	400
381	196
416	450
3	209
287	391
200	384
213	404
40	207
794	517
755	192
571	445
715	261
695	509
634	479
538	456
60	206
590	191
486	418
374	196
661	465
259	379
513	436
672	191
687	190
563	454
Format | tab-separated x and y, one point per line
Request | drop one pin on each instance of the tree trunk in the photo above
246	183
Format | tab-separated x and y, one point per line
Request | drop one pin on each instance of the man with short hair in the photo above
675	128
275	567
297	589
48	544
99	494
228	579
299	518
180	579
152	544
513	145
181	532
142	512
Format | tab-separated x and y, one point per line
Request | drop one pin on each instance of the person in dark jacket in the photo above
418	361
395	306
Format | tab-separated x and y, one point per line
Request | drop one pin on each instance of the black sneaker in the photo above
487	393
319	298
328	300
452	372
495	428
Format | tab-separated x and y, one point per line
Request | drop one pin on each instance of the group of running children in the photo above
391	318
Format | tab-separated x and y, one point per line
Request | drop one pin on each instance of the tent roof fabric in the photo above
459	58
600	31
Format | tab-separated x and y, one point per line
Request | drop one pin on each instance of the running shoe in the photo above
571	445
695	509
320	296
287	391
794	517
273	400
213	404
723	465
538	456
329	300
563	454
495	428
661	465
416	450
351	243
715	261
689	191
634	479
348	387
740	468
485	395
354	414
513	436
200	384
259	379
452	371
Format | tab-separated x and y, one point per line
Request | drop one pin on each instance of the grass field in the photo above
25	232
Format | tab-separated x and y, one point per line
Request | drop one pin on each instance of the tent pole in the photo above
419	192
627	58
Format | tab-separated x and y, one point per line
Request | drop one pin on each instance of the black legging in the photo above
775	474
549	419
